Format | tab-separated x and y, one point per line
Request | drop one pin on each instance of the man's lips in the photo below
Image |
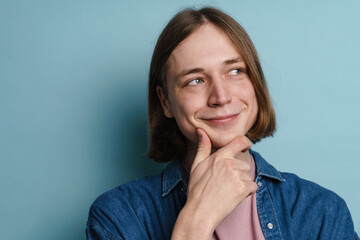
220	120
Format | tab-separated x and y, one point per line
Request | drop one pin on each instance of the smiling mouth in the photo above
222	120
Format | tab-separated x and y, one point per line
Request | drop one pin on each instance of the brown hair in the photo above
166	140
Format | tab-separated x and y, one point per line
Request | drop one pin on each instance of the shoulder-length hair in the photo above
166	140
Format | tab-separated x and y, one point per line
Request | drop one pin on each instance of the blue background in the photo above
73	108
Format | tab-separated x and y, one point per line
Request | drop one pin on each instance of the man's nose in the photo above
219	93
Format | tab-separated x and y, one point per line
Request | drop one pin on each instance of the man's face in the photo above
208	88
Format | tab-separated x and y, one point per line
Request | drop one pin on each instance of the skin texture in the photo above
214	104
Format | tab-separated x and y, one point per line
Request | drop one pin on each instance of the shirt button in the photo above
182	189
270	226
259	184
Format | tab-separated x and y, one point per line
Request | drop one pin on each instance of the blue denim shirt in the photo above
289	207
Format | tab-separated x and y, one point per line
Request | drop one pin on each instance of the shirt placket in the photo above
266	212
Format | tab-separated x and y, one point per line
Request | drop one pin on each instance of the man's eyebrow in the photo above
234	60
199	70
189	71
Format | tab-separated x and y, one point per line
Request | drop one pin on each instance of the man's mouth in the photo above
221	120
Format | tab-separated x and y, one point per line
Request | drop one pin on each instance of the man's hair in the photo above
166	140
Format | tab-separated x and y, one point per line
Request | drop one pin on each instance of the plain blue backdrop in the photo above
73	105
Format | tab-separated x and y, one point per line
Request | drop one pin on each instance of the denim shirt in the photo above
289	207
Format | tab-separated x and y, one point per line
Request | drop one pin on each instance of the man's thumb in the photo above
204	148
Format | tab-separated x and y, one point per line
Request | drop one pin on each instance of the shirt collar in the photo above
172	174
263	168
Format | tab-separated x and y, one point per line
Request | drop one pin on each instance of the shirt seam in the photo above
104	231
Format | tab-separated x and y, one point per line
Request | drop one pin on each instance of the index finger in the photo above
238	145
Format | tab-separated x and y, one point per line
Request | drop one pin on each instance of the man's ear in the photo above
164	102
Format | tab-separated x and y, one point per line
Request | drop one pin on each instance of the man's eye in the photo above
195	82
235	71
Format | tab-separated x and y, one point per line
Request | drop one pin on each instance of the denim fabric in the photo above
289	207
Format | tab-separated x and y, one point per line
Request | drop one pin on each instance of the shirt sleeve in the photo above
95	232
348	222
339	224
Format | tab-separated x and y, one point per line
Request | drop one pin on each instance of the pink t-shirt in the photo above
243	222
